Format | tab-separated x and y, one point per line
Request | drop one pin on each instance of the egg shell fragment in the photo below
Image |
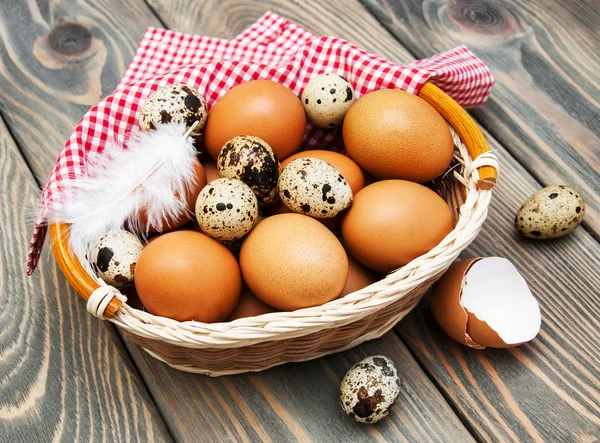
551	213
326	99
486	302
115	257
446	307
369	389
226	209
252	161
313	187
174	104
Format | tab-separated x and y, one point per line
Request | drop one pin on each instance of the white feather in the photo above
156	167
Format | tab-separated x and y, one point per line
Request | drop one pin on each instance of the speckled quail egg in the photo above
251	160
313	187
174	104
115	256
326	98
226	209
369	389
551	213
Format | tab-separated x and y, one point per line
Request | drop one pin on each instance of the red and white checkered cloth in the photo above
273	48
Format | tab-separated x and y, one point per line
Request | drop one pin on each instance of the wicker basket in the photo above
257	343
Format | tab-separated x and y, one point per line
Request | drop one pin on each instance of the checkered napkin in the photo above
272	48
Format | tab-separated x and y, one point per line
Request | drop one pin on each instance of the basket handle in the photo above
466	128
73	271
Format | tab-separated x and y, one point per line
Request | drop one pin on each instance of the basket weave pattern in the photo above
276	49
257	343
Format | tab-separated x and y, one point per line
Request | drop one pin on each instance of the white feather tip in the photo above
118	184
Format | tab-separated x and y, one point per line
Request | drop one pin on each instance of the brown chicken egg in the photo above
250	306
291	261
483	302
190	198
261	108
392	222
359	277
395	134
212	173
186	275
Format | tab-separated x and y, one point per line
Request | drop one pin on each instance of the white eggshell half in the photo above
495	292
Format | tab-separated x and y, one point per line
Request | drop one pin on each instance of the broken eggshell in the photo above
483	302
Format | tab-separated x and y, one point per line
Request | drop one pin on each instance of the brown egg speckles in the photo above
115	256
326	98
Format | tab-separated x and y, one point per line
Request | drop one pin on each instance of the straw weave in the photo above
257	343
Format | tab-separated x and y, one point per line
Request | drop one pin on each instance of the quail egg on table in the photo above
551	213
174	104
115	256
226	209
251	160
369	389
313	187
326	98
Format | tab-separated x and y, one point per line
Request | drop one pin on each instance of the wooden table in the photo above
67	376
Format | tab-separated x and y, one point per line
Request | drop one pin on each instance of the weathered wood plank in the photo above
299	401
198	413
345	19
57	60
547	389
545	57
62	377
491	404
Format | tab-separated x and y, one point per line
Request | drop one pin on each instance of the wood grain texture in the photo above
345	19
547	389
545	57
251	407
299	402
59	58
505	392
62	376
195	413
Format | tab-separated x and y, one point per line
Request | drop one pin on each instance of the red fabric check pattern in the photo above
273	48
